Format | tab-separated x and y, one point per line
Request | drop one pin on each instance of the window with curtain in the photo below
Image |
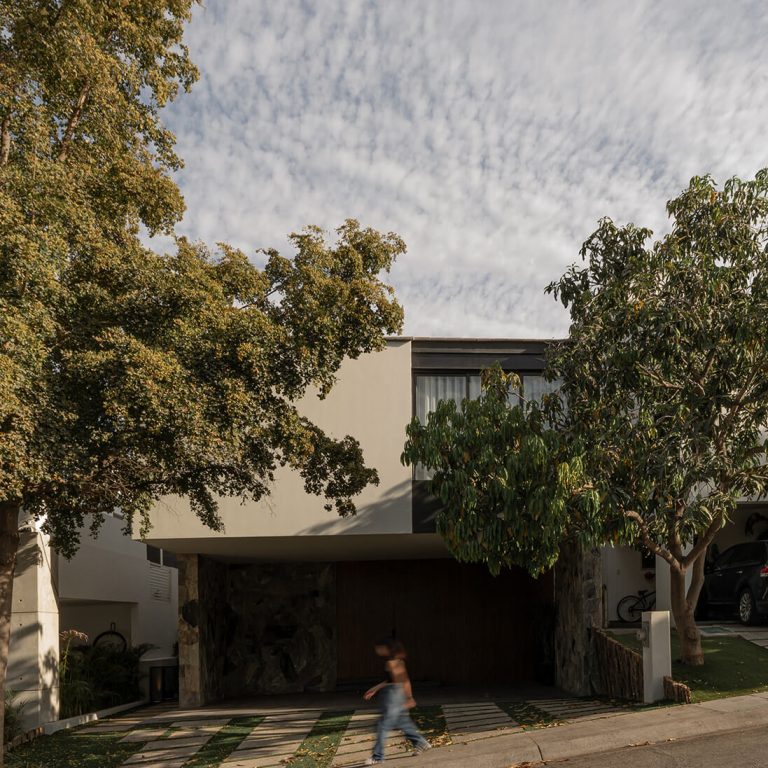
535	387
430	390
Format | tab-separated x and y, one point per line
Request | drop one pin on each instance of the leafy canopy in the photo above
127	374
510	489
665	370
659	427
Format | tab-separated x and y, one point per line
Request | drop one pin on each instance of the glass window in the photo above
169	559
754	552
153	554
430	390
475	388
535	387
726	558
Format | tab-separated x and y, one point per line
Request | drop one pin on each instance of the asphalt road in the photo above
736	749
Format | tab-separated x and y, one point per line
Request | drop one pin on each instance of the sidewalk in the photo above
650	726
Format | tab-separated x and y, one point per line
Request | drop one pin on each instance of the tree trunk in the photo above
9	545
683	607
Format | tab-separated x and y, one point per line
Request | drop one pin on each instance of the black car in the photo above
738	581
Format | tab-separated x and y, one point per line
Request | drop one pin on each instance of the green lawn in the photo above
732	667
73	749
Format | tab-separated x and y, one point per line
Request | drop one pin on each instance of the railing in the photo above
620	669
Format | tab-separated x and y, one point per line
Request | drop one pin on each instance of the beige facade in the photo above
372	402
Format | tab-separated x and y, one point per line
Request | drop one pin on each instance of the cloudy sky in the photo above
490	135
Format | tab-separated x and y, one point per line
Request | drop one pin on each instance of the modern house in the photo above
114	589
290	597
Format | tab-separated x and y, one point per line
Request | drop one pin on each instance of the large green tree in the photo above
663	406
127	374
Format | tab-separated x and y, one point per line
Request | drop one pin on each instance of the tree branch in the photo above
5	140
660	380
73	121
697	581
649	542
704	540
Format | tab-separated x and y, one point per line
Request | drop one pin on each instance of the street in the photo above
745	749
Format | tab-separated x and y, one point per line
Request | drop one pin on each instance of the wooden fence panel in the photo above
621	669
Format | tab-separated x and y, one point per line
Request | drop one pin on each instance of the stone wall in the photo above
255	629
578	605
281	629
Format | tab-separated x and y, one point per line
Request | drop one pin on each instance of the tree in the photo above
511	488
126	374
659	427
664	373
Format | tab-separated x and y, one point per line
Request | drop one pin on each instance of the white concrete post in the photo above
657	654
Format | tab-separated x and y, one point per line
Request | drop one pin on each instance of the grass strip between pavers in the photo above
528	715
318	749
224	742
74	749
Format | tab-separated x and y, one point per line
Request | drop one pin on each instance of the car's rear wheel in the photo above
747	607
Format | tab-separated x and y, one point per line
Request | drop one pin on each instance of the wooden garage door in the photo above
460	624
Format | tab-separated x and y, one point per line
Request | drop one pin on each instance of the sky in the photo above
491	135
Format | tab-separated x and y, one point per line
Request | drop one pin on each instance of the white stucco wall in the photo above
623	575
372	402
108	581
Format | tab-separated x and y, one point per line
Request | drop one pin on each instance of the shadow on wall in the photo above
392	514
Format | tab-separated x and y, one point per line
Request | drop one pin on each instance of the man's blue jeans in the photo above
395	717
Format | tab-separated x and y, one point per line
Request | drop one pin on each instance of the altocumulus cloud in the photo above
490	135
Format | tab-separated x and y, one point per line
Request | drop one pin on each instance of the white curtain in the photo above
535	387
431	389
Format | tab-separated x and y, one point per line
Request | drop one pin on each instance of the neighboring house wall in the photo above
624	574
110	581
33	661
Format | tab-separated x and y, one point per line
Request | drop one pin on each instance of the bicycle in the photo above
631	607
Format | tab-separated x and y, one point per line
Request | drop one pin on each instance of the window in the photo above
160	583
430	390
727	558
535	387
154	555
745	554
169	559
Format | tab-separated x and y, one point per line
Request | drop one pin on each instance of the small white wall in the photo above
33	660
623	574
108	581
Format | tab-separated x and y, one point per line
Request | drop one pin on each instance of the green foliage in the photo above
664	399
94	678
664	369
511	488
14	712
127	375
82	748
